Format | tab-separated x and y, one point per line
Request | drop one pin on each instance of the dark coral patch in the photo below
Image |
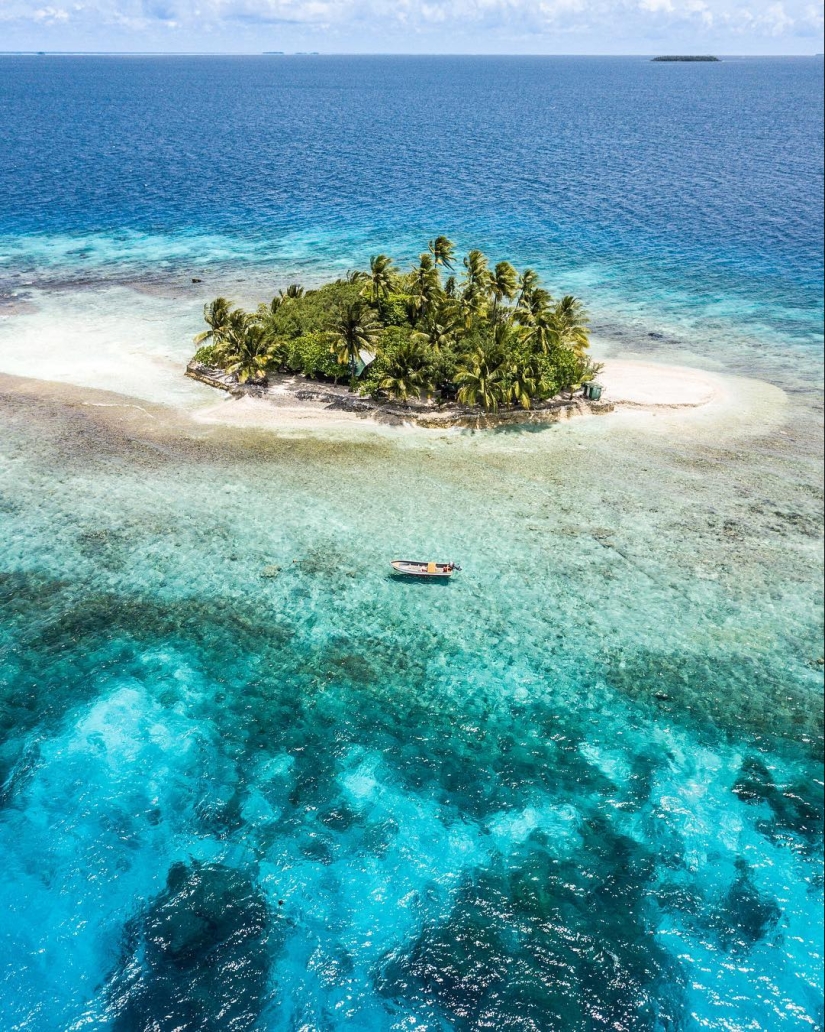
198	958
717	693
546	944
797	809
745	916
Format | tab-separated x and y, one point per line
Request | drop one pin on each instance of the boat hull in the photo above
412	568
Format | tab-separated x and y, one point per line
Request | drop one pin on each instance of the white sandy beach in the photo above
688	399
651	385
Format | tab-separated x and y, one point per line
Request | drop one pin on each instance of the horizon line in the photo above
363	53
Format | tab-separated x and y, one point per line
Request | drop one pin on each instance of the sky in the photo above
415	26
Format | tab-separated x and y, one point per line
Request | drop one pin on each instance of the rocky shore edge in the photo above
282	388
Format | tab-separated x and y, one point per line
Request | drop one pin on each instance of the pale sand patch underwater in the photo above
112	339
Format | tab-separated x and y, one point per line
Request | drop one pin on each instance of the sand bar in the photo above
651	385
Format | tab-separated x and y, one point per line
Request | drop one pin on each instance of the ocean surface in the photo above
250	782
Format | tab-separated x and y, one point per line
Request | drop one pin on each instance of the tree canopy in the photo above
485	336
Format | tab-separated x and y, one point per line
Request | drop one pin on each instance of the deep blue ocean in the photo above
689	195
250	782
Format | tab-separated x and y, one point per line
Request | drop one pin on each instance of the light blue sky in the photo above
416	26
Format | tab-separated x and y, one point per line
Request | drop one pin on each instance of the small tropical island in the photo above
487	339
686	57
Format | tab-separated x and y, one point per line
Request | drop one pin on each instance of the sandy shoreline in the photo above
686	398
143	358
632	390
651	385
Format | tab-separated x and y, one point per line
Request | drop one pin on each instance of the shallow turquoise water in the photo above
577	788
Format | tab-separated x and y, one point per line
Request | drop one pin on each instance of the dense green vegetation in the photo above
488	337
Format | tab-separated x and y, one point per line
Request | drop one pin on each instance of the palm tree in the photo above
265	311
503	283
426	289
511	353
532	298
476	273
244	347
570	318
355	329
443	251
216	316
523	383
406	372
543	331
590	369
532	308
508	336
438	329
527	379
528	282
481	380
230	339
465	309
473	297
381	277
292	292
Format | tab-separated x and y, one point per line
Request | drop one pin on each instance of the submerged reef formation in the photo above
199	955
539	942
267	786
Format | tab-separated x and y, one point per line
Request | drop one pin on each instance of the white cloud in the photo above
776	20
687	10
41	15
772	20
321	24
701	10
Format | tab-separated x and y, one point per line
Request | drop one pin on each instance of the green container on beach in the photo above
594	391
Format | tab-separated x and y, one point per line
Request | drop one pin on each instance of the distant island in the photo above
487	339
685	58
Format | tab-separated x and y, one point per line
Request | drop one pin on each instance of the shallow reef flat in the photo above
246	772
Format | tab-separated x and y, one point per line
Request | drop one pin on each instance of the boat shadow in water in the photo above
412	579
